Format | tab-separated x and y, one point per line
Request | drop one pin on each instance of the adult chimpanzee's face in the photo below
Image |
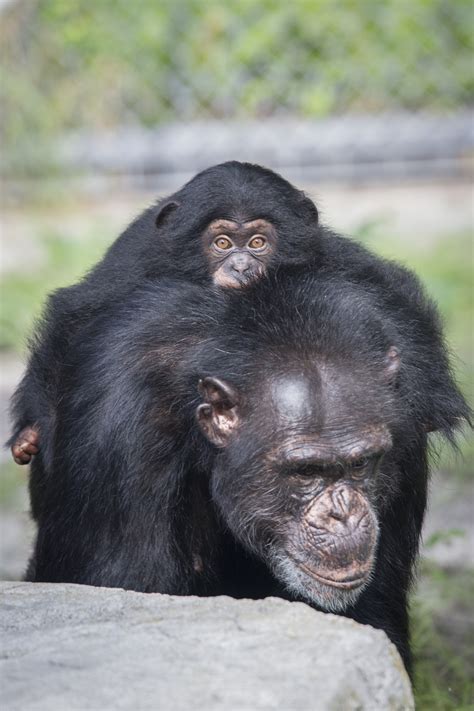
238	252
298	476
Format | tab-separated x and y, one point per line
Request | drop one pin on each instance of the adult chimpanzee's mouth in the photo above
350	582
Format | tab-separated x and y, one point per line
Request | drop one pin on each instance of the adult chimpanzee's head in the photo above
304	447
232	221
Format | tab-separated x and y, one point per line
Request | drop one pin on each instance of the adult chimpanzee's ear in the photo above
164	211
218	416
392	364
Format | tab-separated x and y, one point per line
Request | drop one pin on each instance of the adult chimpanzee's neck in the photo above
241	574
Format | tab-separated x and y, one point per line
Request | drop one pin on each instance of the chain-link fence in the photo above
152	87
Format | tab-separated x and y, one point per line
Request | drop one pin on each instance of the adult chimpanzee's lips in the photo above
344	583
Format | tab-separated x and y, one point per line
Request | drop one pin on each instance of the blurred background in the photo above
366	105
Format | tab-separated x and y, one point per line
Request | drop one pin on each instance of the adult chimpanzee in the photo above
224	228
267	442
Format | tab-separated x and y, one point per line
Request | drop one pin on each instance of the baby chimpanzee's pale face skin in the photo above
238	252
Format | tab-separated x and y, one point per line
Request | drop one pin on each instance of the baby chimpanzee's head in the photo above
231	222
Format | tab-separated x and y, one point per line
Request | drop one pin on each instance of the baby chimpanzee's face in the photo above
238	252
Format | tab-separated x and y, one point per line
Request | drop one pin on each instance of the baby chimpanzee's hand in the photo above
26	445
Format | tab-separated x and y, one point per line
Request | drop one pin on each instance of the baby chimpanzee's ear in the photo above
218	417
164	210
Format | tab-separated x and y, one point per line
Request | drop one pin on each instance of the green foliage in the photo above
23	293
80	63
444	537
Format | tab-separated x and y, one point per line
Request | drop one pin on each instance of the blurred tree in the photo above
70	64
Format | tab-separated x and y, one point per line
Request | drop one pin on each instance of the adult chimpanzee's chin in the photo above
330	551
306	581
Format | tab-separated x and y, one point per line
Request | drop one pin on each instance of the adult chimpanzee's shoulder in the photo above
357	261
158	311
395	286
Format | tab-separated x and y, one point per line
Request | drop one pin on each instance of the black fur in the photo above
129	491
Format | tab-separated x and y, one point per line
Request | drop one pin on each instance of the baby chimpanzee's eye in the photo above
257	242
223	242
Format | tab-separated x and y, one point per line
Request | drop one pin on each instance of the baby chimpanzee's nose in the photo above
240	264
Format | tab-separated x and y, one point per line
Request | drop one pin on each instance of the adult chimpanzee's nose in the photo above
240	264
341	504
334	509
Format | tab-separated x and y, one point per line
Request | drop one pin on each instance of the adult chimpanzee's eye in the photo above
223	242
358	465
307	471
257	242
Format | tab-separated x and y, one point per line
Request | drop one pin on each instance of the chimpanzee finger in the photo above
20	457
29	448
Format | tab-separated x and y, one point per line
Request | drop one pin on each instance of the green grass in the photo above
23	293
444	659
12	483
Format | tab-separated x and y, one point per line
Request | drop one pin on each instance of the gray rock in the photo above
71	647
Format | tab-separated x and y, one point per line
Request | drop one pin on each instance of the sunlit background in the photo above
108	104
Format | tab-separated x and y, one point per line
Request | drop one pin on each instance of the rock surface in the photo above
76	647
